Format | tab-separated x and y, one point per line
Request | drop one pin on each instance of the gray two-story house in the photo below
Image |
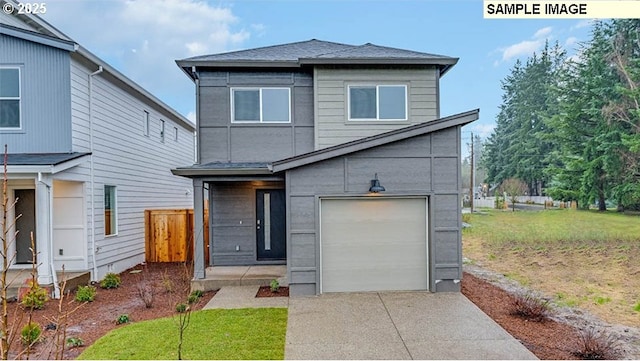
89	151
332	159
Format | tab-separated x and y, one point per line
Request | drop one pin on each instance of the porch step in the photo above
18	279
220	276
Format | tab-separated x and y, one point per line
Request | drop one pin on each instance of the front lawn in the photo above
219	334
581	258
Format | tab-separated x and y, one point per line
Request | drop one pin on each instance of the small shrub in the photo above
194	296
122	319
596	345
466	217
86	293
75	342
637	307
274	285
30	333
35	297
145	292
181	308
602	300
531	307
110	280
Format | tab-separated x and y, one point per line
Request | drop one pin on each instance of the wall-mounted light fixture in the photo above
376	187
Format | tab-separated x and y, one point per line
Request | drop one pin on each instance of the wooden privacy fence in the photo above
169	235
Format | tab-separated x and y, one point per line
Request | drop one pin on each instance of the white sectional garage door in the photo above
373	244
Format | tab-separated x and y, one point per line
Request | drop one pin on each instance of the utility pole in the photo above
471	185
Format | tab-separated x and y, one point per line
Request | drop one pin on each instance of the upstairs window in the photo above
261	105
378	102
9	98
162	130
146	123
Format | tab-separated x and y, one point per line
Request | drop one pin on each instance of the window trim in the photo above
146	125
162	130
260	121
19	98
175	133
377	87
114	208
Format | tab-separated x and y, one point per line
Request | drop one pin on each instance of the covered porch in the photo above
247	223
43	203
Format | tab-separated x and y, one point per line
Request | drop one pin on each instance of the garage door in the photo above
373	244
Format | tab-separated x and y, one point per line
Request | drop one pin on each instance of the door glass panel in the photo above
267	222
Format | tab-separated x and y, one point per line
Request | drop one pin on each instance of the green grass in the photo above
249	334
637	307
500	227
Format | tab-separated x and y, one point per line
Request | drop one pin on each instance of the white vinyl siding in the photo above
261	105
123	156
331	100
10	83
377	102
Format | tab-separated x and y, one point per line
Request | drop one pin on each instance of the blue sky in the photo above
143	38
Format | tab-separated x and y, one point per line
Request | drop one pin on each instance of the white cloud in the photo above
543	33
571	41
192	116
483	130
582	24
526	47
144	38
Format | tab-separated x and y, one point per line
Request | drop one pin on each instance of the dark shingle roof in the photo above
42	158
316	52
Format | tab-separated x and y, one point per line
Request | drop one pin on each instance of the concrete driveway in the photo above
395	325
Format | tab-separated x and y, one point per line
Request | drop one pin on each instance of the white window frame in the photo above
162	130
19	98
259	89
114	209
377	118
146	123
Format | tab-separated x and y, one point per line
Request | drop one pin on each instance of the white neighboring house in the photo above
89	151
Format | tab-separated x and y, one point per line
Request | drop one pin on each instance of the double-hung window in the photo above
378	102
9	98
261	105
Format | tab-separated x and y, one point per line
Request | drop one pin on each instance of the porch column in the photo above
43	232
198	214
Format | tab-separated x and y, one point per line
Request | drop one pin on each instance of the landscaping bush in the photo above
181	308
30	333
122	319
86	293
110	280
194	296
596	345
75	342
274	285
530	307
35	297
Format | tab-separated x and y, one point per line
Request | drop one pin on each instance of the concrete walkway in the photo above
399	325
244	297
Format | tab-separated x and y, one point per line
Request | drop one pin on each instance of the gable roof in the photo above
374	141
311	52
43	32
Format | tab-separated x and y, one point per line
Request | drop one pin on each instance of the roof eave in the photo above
379	61
37	38
203	172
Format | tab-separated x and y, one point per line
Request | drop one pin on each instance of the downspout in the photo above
54	275
94	275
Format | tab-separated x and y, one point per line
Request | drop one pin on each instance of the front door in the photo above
25	224
270	224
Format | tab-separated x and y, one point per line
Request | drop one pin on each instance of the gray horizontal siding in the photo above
427	164
232	222
331	103
45	102
223	141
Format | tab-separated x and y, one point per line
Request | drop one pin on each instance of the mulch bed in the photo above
548	340
169	282
265	291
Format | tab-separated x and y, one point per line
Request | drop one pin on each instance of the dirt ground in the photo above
169	283
603	279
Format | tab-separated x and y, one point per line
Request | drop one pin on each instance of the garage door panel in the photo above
373	244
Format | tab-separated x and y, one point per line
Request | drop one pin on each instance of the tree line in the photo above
569	127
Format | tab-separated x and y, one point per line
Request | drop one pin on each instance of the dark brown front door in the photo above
25	224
